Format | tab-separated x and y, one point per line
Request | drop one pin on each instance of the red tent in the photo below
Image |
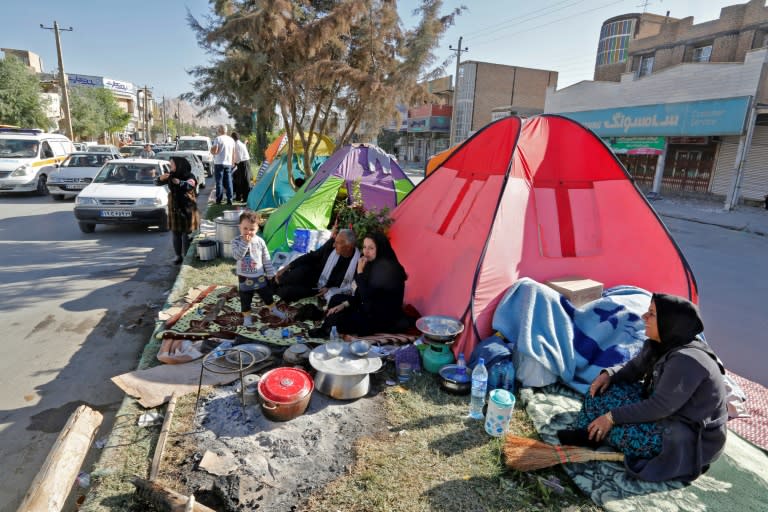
544	199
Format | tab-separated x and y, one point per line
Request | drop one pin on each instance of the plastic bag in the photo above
179	351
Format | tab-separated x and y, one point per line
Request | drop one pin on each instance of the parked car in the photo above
201	146
131	151
75	173
28	156
104	148
124	192
194	161
80	146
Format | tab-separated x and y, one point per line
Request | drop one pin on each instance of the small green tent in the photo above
383	184
274	188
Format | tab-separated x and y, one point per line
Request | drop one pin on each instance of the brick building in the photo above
486	89
689	112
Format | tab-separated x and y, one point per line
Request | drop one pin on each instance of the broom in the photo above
524	454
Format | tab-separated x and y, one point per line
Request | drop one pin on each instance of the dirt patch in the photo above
266	465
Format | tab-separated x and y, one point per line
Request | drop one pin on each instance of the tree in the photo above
20	100
319	58
95	111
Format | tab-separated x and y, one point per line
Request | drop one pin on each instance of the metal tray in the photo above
345	363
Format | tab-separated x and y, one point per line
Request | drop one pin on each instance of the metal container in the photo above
285	393
455	381
226	231
342	387
207	250
231	215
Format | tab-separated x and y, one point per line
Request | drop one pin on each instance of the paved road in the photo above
76	310
730	268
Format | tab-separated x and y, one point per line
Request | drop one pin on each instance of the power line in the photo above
483	30
552	22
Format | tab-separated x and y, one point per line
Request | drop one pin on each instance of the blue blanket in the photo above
555	340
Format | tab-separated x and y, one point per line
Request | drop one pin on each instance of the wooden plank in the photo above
160	447
54	481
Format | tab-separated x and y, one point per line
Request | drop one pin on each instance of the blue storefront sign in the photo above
440	124
691	118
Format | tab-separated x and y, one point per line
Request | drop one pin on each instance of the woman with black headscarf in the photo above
666	408
377	303
183	217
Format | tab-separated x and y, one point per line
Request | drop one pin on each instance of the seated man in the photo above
324	272
146	174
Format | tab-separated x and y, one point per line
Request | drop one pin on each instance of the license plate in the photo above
115	213
6	187
74	187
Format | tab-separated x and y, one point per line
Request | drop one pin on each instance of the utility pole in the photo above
62	78
459	50
145	113
165	125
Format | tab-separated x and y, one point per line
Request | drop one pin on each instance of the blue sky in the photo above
149	42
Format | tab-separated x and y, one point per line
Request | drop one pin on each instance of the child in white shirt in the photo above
253	267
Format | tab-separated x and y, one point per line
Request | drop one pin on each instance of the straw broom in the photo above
524	454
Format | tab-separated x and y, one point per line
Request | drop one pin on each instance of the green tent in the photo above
383	184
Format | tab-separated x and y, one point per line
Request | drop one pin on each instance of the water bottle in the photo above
509	377
496	376
479	385
334	334
461	368
224	345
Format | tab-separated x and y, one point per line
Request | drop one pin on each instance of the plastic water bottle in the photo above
224	345
461	367
334	334
509	377
479	385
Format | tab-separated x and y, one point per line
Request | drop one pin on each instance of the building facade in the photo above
690	111
485	89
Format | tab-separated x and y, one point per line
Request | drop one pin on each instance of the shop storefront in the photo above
670	147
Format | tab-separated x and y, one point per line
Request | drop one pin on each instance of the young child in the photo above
254	268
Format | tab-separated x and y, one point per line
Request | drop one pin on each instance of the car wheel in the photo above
42	188
87	227
58	197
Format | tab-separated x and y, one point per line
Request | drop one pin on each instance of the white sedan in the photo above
124	192
75	173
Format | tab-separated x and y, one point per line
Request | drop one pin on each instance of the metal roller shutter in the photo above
726	162
754	184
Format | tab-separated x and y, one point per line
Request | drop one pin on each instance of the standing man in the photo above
147	152
241	178
223	151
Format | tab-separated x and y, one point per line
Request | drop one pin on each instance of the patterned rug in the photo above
738	480
754	428
215	312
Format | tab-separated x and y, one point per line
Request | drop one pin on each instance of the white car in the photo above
124	192
75	173
199	145
198	171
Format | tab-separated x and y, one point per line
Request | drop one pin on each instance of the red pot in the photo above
285	393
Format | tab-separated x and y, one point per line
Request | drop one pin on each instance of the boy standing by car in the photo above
253	268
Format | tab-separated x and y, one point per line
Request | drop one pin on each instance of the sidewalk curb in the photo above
745	228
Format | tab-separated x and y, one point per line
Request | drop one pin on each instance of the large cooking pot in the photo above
455	379
342	376
285	393
226	231
207	250
342	387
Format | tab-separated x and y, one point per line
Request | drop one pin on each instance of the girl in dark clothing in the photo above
183	217
377	305
666	408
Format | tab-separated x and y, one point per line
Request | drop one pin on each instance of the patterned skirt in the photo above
635	440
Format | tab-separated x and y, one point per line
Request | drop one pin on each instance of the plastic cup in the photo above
404	371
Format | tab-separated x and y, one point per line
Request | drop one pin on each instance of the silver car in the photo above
75	173
198	171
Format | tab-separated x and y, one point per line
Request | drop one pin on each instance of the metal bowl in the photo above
455	380
439	327
334	348
359	348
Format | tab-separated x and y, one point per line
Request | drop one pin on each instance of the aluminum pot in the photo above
342	387
207	250
285	393
454	382
226	231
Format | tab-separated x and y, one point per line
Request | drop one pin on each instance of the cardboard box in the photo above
578	290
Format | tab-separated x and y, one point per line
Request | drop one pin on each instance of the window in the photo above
646	65
702	53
